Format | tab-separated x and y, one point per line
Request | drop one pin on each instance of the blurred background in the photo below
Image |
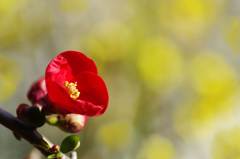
171	67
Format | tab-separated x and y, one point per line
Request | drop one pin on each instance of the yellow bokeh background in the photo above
171	67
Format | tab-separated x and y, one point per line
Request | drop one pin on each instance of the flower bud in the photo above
38	91
32	115
71	123
53	119
38	96
21	110
55	149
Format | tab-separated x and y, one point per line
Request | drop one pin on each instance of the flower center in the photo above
72	89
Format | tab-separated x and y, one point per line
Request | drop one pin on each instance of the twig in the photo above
26	132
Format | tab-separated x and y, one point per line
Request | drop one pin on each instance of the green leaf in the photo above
70	143
52	119
54	156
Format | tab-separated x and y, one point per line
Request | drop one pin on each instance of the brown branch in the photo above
28	133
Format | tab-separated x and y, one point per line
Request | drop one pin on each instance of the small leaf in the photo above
70	143
54	156
59	155
53	119
51	156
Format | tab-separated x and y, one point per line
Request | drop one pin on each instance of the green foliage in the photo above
70	143
54	156
52	119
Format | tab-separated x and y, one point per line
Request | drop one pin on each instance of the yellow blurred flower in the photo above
72	5
189	19
226	144
211	75
7	6
9	31
215	84
115	135
156	147
9	78
109	42
233	35
26	28
160	63
196	118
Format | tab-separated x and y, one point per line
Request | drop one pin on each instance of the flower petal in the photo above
93	90
78	61
58	70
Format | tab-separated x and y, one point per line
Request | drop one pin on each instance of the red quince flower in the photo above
74	86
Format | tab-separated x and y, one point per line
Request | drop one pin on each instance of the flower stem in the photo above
28	133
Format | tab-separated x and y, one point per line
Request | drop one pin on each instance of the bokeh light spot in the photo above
156	147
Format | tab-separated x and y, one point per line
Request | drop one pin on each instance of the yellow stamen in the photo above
72	89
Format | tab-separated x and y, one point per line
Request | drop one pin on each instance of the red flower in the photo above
74	86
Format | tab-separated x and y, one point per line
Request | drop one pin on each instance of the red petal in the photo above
57	95
59	70
94	91
66	64
78	62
